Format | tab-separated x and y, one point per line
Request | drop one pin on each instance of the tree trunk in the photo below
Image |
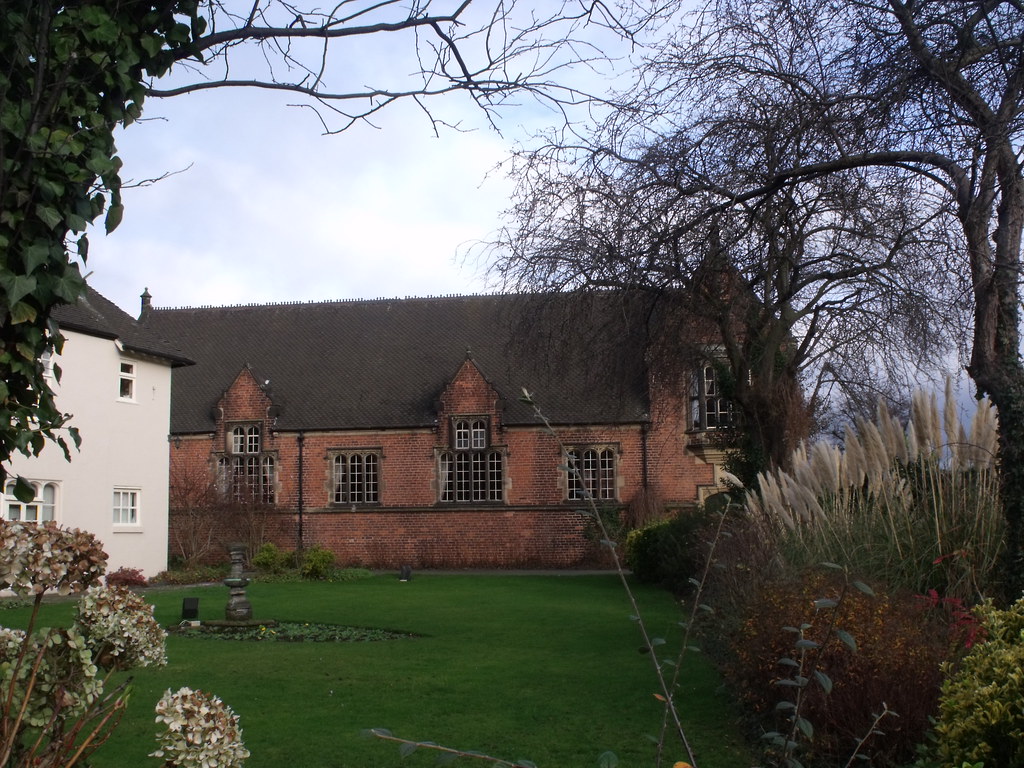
995	360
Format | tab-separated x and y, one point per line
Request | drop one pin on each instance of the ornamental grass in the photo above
914	507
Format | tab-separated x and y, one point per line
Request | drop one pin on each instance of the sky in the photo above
263	207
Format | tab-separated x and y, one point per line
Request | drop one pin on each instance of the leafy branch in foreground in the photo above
447	754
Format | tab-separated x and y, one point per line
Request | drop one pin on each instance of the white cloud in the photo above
270	209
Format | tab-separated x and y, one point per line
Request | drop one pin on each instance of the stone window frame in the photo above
471	470
245	471
598	477
709	411
370	481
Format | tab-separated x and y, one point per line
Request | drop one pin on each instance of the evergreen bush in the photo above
668	552
270	559
981	710
317	563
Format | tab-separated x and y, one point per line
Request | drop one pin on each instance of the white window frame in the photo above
47	362
127	515
355	477
126	381
709	411
40	509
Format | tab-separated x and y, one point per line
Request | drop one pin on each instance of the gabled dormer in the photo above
244	440
470	457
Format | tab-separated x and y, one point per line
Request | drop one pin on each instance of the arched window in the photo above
42	508
590	473
356	478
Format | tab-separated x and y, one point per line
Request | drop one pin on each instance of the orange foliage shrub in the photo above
900	642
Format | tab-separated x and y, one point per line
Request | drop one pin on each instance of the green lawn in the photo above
544	668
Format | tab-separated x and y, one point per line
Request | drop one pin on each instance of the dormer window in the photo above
249	474
245	439
709	409
472	471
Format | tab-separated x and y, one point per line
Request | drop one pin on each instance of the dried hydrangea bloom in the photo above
120	629
44	557
201	731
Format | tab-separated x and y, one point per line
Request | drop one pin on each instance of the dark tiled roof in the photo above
95	315
384	363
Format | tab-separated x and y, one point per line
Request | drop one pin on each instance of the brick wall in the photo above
533	527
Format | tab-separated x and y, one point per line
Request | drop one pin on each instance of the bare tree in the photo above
913	91
195	511
818	285
493	52
70	73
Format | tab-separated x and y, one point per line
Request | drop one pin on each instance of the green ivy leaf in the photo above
23	313
34	255
49	216
16	287
114	215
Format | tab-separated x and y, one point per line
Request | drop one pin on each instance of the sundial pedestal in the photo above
239	608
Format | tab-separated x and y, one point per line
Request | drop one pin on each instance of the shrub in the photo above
897	662
981	712
126	577
201	574
668	552
317	563
270	559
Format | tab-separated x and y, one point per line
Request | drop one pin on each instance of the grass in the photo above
544	668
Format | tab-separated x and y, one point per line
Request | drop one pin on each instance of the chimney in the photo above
146	303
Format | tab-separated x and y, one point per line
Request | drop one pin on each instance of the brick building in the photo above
393	431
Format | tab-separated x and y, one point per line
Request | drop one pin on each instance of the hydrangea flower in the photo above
120	628
43	557
202	731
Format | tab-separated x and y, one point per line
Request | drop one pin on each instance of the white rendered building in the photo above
116	383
